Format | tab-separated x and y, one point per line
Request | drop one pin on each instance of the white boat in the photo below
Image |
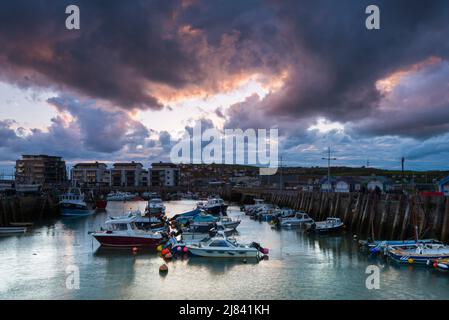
257	203
152	223
72	203
123	232
120	196
229	223
12	230
329	225
421	253
155	207
214	206
222	247
300	218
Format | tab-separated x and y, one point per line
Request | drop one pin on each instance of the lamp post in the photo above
329	167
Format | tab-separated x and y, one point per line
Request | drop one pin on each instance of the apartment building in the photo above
164	174
90	174
126	174
40	169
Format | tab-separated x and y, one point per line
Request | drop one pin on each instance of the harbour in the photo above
300	265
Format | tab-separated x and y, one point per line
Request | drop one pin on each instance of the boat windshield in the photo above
118	226
219	243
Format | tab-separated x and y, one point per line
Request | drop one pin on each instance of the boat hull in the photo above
118	241
408	258
332	229
231	225
101	205
72	212
223	253
12	230
294	223
216	210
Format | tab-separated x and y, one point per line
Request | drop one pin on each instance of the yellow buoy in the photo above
410	260
159	247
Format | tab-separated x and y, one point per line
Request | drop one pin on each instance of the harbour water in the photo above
300	266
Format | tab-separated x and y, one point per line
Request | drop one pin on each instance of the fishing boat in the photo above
300	218
123	232
214	206
329	225
12	230
229	222
380	245
419	253
263	211
221	247
257	203
155	206
72	203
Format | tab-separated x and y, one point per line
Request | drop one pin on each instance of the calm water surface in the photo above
34	266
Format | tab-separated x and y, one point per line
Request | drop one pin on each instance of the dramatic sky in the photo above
138	73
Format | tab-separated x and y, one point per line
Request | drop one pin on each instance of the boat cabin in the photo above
121	224
74	194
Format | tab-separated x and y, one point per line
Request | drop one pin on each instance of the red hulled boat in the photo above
123	232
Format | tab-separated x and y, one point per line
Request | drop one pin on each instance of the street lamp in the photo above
329	167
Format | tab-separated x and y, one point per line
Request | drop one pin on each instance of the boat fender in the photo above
185	249
442	266
178	248
410	260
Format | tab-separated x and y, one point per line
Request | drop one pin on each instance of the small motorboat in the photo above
123	232
327	226
229	223
12	230
381	245
147	222
214	206
300	218
250	207
155	206
419	253
222	247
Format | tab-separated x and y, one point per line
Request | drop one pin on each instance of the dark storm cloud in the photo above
332	62
119	47
339	60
